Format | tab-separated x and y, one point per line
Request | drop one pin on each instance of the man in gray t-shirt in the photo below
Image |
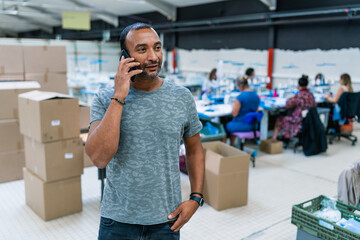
138	143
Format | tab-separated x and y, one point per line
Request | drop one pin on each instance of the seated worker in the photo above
289	126
210	84
319	79
250	74
346	86
248	101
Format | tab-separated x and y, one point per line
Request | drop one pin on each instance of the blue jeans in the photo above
113	230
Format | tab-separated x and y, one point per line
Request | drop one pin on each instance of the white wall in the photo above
236	61
288	65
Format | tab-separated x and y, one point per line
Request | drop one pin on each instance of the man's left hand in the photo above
184	212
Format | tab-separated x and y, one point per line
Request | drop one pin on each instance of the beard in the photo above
149	75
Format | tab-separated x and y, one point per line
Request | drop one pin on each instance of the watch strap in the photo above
193	193
200	201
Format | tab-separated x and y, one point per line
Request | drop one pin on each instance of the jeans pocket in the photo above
107	221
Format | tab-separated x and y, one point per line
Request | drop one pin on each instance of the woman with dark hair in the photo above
289	126
248	101
319	79
210	83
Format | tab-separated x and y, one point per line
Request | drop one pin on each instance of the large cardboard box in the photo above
54	160
84	115
12	77
44	59
10	137
51	82
226	176
87	160
48	116
11	165
52	200
11	59
9	92
271	146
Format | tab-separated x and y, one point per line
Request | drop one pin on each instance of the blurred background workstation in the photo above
277	89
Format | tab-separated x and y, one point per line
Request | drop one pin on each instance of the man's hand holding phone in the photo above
123	76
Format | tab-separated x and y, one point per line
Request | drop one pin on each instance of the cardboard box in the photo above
84	115
51	82
226	176
52	200
12	77
48	116
9	92
11	165
44	59
87	160
55	160
10	137
11	60
270	146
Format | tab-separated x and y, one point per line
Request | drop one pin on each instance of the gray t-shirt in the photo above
143	179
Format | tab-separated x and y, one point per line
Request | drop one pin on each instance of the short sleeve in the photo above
240	98
193	124
97	109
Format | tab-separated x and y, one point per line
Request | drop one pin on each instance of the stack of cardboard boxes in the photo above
44	64
84	124
49	122
49	69
11	62
12	158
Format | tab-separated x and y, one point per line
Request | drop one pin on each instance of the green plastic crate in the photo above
207	137
303	217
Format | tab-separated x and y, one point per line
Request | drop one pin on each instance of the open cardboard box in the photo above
226	176
48	116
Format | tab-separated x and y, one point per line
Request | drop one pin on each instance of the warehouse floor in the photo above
277	182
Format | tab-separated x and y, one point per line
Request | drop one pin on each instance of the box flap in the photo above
19	85
41	95
222	158
83	104
212	161
235	164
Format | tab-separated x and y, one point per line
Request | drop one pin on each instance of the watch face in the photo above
201	202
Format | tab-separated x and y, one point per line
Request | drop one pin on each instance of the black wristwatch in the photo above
200	201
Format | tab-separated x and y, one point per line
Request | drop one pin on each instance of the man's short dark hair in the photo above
249	72
124	33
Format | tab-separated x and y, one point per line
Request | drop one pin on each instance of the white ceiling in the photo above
26	15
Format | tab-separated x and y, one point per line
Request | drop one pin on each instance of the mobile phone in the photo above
126	55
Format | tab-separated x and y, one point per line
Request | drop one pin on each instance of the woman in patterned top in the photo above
289	126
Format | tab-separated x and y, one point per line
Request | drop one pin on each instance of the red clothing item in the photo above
289	126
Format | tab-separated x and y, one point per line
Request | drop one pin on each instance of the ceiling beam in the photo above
48	6
40	25
56	16
164	8
270	3
20	19
103	14
24	14
6	32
